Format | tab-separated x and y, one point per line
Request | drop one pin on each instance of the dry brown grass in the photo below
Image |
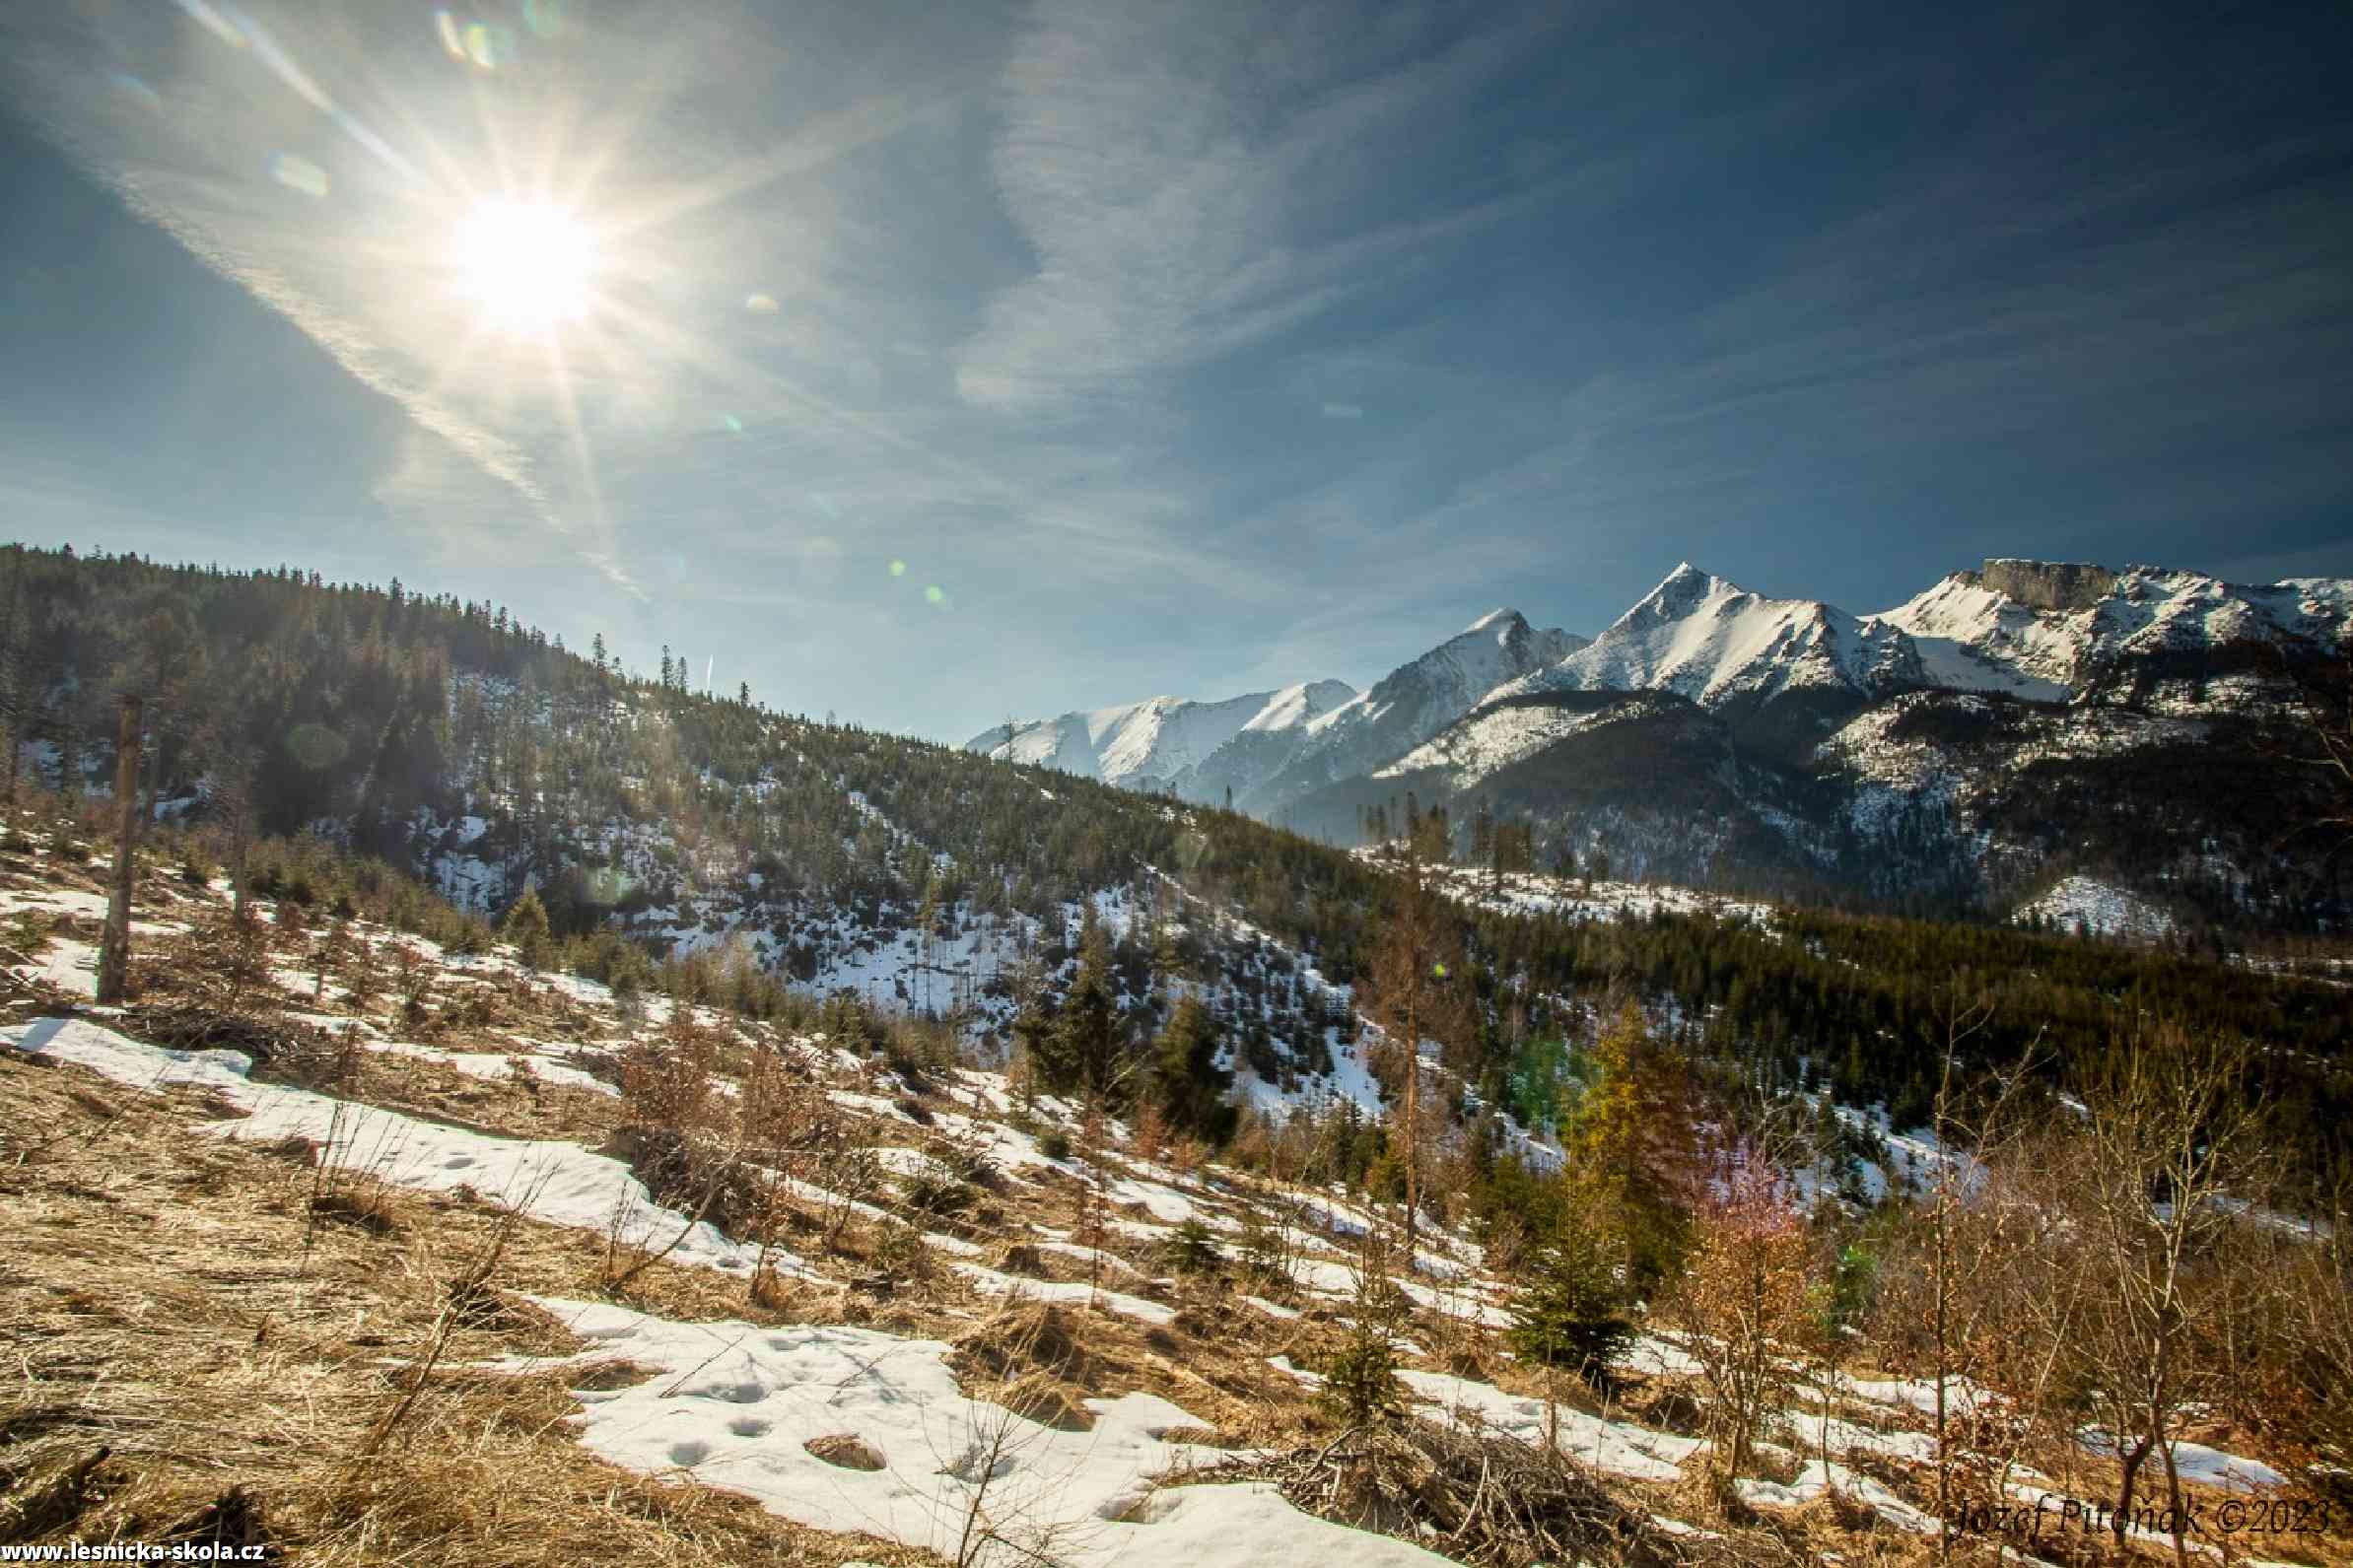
184	1370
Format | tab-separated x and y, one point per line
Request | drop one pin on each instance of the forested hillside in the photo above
463	746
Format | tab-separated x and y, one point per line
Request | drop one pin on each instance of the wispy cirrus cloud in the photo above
1206	345
1191	179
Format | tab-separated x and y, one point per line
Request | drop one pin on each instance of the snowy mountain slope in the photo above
1976	639
1449	679
2048	632
1950	748
1493	737
1789	671
1414	702
1701	637
2084	904
1157	743
1272	747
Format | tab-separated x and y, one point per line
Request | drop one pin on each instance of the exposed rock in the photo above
2049	584
846	1449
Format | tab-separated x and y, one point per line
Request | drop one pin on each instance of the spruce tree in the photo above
1087	1034
526	928
1574	1313
1187	1083
1631	1144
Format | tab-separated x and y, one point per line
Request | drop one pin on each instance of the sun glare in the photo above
526	264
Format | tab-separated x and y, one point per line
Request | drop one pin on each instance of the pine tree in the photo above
1574	1313
525	926
1085	1040
1187	1083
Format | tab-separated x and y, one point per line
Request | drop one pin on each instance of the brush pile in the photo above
1478	1498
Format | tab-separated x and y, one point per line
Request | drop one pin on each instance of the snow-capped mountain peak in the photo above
1713	641
1408	706
1501	645
1294	706
1161	742
1704	675
2047	629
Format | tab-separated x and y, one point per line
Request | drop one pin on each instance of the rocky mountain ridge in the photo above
2005	726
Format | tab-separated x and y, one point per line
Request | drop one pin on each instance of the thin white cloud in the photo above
1156	159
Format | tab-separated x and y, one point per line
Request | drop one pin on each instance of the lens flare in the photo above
898	569
137	92
489	46
296	172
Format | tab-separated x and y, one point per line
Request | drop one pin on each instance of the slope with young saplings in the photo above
356	1234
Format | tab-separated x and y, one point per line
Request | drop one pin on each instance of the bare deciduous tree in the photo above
2170	1151
1413	1000
1743	1300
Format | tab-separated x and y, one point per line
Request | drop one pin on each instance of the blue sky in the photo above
1180	347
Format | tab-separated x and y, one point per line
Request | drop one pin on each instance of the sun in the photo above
526	264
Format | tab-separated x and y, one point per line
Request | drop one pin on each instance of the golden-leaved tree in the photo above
1632	1140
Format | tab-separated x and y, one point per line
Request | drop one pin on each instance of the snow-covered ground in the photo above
2089	906
737	1405
1615	1447
1582	899
560	1183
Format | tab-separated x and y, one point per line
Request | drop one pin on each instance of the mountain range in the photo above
1965	743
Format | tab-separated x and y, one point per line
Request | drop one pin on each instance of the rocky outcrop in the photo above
2048	585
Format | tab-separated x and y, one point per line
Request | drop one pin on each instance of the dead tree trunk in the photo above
114	949
1412	1132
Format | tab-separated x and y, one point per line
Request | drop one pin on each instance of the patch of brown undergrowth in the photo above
197	1360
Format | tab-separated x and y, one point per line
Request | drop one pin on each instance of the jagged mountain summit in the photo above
1413	702
1711	640
2056	630
1162	742
2040	631
1270	746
